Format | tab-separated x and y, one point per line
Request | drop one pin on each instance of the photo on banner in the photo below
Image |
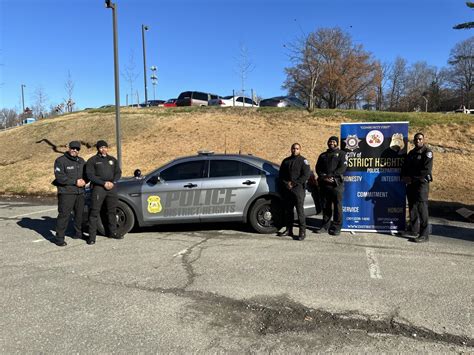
374	195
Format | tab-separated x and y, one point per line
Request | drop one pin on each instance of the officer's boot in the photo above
421	239
301	234
288	232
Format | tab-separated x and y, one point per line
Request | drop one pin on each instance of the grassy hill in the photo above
153	136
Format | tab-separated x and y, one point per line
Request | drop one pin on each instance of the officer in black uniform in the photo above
294	172
103	171
416	173
70	180
330	168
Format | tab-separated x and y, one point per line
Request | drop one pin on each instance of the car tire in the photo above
266	216
125	220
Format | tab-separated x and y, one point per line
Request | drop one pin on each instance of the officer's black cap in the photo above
333	138
75	145
101	143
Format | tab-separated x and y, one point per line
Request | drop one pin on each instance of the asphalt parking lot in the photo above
223	288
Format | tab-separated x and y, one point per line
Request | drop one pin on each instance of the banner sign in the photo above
374	195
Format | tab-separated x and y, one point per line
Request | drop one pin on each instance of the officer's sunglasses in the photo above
77	149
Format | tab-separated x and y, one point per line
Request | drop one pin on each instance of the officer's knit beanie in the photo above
101	143
333	138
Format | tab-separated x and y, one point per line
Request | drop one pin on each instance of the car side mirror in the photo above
155	179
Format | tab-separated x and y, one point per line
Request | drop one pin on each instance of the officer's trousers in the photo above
294	198
68	203
417	195
110	199
332	197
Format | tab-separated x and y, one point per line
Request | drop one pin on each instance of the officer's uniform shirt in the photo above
332	163
100	169
67	170
294	169
418	166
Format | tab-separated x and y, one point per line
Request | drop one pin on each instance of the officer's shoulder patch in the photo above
429	154
306	162
57	168
111	162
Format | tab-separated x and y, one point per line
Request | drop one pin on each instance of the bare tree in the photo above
466	25
397	79
302	78
244	66
130	74
40	99
420	75
8	118
69	87
344	71
461	62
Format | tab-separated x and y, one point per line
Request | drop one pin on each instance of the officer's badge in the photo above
111	162
429	155
397	144
154	204
306	162
352	142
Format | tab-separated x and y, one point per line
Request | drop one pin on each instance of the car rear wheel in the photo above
125	220
266	216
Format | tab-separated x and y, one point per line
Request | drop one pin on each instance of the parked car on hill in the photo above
194	98
153	103
283	101
170	103
229	101
205	187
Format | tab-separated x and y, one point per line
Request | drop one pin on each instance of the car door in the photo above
173	194
229	188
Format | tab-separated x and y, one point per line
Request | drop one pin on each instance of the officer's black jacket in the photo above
100	169
294	169
418	164
332	163
67	170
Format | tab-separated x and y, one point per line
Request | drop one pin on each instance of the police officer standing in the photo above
103	171
294	172
416	173
330	168
70	181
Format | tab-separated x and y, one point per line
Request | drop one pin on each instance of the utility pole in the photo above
110	5
144	28
23	97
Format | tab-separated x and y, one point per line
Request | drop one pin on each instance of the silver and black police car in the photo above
203	188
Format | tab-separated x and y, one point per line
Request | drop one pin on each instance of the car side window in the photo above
249	170
248	101
229	168
200	96
239	99
184	171
224	168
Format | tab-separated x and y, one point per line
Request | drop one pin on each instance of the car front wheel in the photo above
266	216
125	220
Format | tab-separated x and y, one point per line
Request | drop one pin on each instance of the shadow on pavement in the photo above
44	227
454	232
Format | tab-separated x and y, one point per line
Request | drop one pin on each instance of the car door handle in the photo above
190	185
248	182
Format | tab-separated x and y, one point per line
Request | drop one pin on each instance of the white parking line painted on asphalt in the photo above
373	264
38	240
181	253
28	214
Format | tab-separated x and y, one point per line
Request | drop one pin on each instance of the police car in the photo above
203	188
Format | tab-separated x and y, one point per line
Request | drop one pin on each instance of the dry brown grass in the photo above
151	137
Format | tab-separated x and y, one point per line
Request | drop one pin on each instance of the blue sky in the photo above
196	43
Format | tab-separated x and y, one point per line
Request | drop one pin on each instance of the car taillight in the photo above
221	102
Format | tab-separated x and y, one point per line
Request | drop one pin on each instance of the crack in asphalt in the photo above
278	314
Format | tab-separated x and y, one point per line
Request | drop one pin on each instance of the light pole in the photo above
110	5
23	97
144	28
154	79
